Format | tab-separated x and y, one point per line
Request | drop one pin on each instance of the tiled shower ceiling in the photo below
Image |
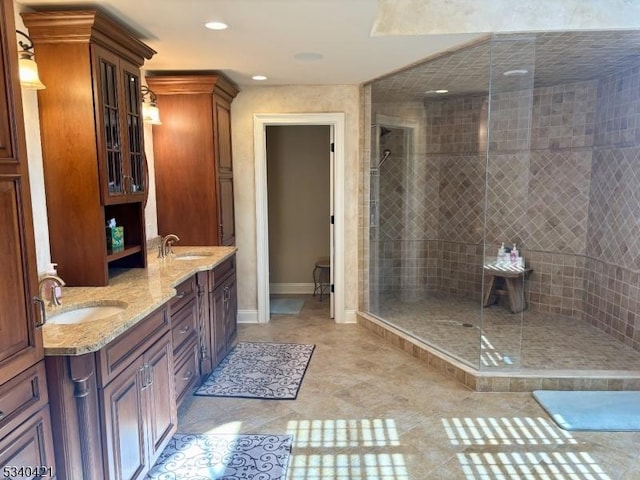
551	58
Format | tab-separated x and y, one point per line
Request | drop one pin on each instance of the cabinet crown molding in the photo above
192	84
86	26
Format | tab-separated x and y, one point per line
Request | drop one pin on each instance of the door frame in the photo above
260	122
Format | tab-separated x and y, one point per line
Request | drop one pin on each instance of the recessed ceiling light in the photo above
216	25
308	56
515	73
439	91
258	77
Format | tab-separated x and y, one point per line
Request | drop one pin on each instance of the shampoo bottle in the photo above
500	258
514	255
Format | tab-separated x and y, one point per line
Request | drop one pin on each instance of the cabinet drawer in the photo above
186	371
21	396
222	271
184	325
30	445
186	291
115	357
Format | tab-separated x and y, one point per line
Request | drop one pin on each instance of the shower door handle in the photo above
373	213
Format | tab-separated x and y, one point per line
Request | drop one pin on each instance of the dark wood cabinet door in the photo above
30	445
224	174
231	312
20	340
226	214
160	396
224	162
217	306
123	423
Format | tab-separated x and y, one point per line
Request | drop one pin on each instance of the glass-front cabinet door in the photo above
119	129
137	168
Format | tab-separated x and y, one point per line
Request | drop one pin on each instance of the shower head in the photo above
384	131
385	154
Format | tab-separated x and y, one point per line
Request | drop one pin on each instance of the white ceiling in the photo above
265	35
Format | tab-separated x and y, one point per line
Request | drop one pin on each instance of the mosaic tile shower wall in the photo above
612	269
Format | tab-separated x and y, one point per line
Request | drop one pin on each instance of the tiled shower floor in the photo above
493	339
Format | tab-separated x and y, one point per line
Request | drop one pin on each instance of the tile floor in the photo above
368	410
508	342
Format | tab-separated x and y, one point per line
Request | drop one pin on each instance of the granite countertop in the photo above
139	290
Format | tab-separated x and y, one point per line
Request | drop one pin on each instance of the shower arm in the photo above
385	154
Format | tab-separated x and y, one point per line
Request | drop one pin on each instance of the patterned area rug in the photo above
259	370
213	456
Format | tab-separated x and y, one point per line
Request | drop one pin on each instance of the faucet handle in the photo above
56	293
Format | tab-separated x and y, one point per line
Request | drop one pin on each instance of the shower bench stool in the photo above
321	276
512	277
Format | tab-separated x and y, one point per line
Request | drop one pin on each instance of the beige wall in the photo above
290	99
298	184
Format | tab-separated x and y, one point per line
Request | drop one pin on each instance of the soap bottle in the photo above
500	258
50	287
514	255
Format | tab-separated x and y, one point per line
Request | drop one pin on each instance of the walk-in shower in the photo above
536	145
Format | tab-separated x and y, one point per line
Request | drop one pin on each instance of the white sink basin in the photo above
192	256
86	314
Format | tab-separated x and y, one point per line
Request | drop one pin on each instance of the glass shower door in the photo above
508	148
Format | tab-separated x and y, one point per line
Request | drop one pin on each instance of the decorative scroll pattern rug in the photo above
607	411
259	370
223	456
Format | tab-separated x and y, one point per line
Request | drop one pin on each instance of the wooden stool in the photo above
321	276
513	278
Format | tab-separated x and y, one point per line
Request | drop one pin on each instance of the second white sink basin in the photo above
86	314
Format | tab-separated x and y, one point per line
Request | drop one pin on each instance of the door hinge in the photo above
332	220
333	147
332	289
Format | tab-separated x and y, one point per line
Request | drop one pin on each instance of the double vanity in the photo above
120	358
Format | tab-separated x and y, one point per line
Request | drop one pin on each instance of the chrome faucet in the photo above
55	282
166	246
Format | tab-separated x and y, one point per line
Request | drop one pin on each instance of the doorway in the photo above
299	191
335	122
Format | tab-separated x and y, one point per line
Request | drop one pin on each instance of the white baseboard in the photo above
247	316
291	288
350	317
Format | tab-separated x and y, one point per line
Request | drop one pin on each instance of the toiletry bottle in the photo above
514	255
500	258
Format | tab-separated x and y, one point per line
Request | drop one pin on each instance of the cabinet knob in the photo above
188	375
2	414
181	294
184	329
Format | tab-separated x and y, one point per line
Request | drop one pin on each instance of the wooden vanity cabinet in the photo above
114	410
25	429
92	140
192	157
